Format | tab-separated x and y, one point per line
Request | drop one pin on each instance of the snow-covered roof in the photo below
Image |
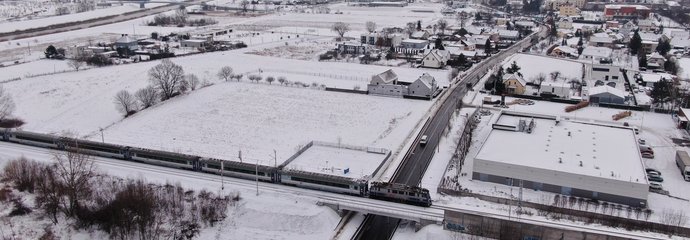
521	80
617	6
570	147
508	33
386	77
427	80
680	42
654	77
566	49
597	51
606	39
419	34
606	89
126	39
415	41
647	36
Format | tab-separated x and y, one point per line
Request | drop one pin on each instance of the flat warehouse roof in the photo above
603	151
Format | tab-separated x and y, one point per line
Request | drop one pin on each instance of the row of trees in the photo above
125	209
7	105
166	79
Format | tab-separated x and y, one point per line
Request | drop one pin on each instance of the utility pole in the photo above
275	158
222	182
256	172
102	137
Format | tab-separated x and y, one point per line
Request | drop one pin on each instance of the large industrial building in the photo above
581	159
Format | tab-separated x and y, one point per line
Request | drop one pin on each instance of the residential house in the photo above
568	10
423	35
565	23
380	39
525	24
655	61
414	43
467	44
606	94
612	24
514	84
646	25
350	47
596	54
603	72
564	51
425	86
601	41
627	29
386	83
127	42
198	41
501	21
435	59
510	35
559	88
626	12
682	119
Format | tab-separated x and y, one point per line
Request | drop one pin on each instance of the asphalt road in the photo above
65	27
415	164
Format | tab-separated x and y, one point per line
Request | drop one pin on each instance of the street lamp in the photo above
102	137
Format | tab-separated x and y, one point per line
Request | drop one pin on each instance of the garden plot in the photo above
222	120
533	65
304	50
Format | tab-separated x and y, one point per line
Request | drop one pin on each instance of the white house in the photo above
424	86
565	23
596	54
435	59
559	88
423	34
128	42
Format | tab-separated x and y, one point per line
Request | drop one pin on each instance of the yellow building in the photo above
567	10
514	84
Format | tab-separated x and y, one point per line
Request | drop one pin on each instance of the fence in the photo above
346	90
460	151
556	212
316	74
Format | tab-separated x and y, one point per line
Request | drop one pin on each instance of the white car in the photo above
655	186
423	140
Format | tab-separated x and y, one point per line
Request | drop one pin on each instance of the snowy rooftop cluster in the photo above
568	146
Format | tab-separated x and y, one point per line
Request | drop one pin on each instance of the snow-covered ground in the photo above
270	215
75	17
685	68
339	161
533	65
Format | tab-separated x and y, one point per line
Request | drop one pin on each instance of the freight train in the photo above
377	190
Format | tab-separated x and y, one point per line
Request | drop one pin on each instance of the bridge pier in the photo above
335	207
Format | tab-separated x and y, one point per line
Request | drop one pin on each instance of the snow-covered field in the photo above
221	120
52	20
533	65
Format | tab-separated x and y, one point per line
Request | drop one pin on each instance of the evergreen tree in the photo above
461	60
487	47
514	68
563	42
671	66
579	42
664	46
477	16
642	59
51	51
635	43
499	87
661	91
580	49
438	44
419	25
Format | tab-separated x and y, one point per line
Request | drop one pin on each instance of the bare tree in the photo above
341	28
6	104
539	79
147	96
410	28
192	80
225	73
125	102
442	24
75	63
183	86
371	26
282	80
270	80
244	4
166	77
76	171
555	75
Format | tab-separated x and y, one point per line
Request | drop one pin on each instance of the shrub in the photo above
19	208
24	174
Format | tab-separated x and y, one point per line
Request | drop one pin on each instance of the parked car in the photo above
641	141
655	186
646	149
647	155
653	174
652	170
655	179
